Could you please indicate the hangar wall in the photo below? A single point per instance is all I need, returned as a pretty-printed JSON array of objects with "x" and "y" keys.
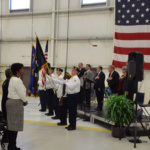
[{"x": 48, "y": 18}]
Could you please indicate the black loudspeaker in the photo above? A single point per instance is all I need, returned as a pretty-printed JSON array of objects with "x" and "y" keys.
[{"x": 136, "y": 66}]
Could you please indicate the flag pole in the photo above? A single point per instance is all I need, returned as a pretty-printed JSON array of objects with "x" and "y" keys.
[{"x": 67, "y": 38}]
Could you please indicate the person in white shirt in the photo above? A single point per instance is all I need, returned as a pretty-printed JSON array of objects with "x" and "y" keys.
[
  {"x": 14, "y": 106},
  {"x": 62, "y": 100},
  {"x": 50, "y": 93},
  {"x": 72, "y": 90},
  {"x": 42, "y": 95},
  {"x": 57, "y": 94}
]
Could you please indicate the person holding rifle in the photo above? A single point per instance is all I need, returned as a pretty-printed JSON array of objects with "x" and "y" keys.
[{"x": 57, "y": 94}]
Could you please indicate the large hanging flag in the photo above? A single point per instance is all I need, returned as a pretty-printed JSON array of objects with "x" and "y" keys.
[
  {"x": 132, "y": 31},
  {"x": 44, "y": 69},
  {"x": 31, "y": 87}
]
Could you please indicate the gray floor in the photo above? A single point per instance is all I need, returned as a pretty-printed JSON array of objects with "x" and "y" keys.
[
  {"x": 45, "y": 137},
  {"x": 41, "y": 133}
]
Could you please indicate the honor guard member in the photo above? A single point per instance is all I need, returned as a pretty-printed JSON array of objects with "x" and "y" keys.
[
  {"x": 62, "y": 100},
  {"x": 50, "y": 92},
  {"x": 57, "y": 94},
  {"x": 72, "y": 90},
  {"x": 63, "y": 103},
  {"x": 42, "y": 94}
]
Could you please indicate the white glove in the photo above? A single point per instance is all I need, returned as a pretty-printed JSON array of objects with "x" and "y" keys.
[
  {"x": 64, "y": 81},
  {"x": 49, "y": 77}
]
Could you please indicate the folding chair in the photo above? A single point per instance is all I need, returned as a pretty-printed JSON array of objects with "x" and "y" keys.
[{"x": 140, "y": 101}]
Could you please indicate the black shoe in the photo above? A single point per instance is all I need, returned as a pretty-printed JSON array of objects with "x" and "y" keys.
[
  {"x": 98, "y": 109},
  {"x": 48, "y": 114},
  {"x": 17, "y": 148},
  {"x": 71, "y": 128},
  {"x": 42, "y": 110},
  {"x": 55, "y": 117},
  {"x": 61, "y": 124},
  {"x": 67, "y": 127}
]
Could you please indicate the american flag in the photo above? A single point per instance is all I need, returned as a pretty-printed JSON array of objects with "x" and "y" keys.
[
  {"x": 45, "y": 68},
  {"x": 132, "y": 31}
]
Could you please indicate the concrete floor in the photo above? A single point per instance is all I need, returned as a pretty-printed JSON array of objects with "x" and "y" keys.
[{"x": 41, "y": 133}]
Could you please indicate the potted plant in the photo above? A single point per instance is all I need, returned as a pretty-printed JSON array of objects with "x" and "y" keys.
[{"x": 120, "y": 111}]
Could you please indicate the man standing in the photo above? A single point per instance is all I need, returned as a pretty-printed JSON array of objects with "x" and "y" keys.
[
  {"x": 5, "y": 85},
  {"x": 50, "y": 93},
  {"x": 72, "y": 90},
  {"x": 58, "y": 94},
  {"x": 88, "y": 76},
  {"x": 81, "y": 70},
  {"x": 80, "y": 75},
  {"x": 113, "y": 79},
  {"x": 99, "y": 86},
  {"x": 42, "y": 95}
]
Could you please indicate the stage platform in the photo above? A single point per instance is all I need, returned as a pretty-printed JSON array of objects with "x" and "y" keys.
[
  {"x": 93, "y": 114},
  {"x": 100, "y": 115}
]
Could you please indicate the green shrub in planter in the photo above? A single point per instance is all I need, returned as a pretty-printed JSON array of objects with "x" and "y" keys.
[{"x": 119, "y": 110}]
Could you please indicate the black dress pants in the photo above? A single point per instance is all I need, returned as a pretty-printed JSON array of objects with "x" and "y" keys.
[
  {"x": 56, "y": 105},
  {"x": 130, "y": 96},
  {"x": 63, "y": 111},
  {"x": 100, "y": 98},
  {"x": 88, "y": 96},
  {"x": 42, "y": 94},
  {"x": 49, "y": 100},
  {"x": 81, "y": 96},
  {"x": 72, "y": 101},
  {"x": 12, "y": 135}
]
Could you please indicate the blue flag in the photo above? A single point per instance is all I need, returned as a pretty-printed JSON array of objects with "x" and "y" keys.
[{"x": 31, "y": 89}]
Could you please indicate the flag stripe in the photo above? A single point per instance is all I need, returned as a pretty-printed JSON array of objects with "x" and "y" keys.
[
  {"x": 124, "y": 58},
  {"x": 126, "y": 51},
  {"x": 133, "y": 29},
  {"x": 119, "y": 64},
  {"x": 132, "y": 44},
  {"x": 45, "y": 68},
  {"x": 132, "y": 36}
]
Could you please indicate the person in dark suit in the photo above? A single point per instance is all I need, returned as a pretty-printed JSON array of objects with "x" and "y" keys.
[
  {"x": 113, "y": 79},
  {"x": 81, "y": 69},
  {"x": 99, "y": 86},
  {"x": 5, "y": 85},
  {"x": 80, "y": 75},
  {"x": 129, "y": 87},
  {"x": 88, "y": 76}
]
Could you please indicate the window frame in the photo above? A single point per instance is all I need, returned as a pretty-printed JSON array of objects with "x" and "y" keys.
[
  {"x": 90, "y": 4},
  {"x": 20, "y": 10}
]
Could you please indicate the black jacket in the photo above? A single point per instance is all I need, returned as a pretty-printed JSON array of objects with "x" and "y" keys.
[
  {"x": 99, "y": 83},
  {"x": 4, "y": 97},
  {"x": 129, "y": 85},
  {"x": 81, "y": 72},
  {"x": 113, "y": 84}
]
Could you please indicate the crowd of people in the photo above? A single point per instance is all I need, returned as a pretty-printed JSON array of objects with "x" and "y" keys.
[{"x": 60, "y": 95}]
